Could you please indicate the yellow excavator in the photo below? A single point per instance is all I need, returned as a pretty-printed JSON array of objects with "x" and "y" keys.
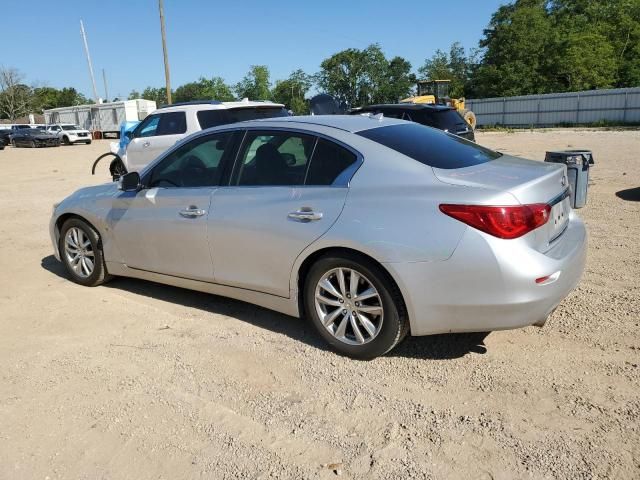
[{"x": 436, "y": 92}]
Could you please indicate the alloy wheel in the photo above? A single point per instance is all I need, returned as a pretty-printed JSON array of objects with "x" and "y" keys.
[
  {"x": 79, "y": 252},
  {"x": 349, "y": 306}
]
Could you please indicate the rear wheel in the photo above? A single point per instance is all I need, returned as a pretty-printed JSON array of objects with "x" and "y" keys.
[
  {"x": 355, "y": 306},
  {"x": 81, "y": 252}
]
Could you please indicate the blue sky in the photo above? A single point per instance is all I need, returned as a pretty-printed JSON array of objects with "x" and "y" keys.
[{"x": 216, "y": 38}]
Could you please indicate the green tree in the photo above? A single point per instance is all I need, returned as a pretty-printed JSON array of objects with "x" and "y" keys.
[
  {"x": 134, "y": 94},
  {"x": 293, "y": 90},
  {"x": 399, "y": 81},
  {"x": 204, "y": 89},
  {"x": 361, "y": 77},
  {"x": 44, "y": 98},
  {"x": 454, "y": 66},
  {"x": 255, "y": 85},
  {"x": 158, "y": 95},
  {"x": 516, "y": 47},
  {"x": 69, "y": 96}
]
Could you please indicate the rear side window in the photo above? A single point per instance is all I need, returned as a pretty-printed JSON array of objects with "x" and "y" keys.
[
  {"x": 213, "y": 118},
  {"x": 429, "y": 146},
  {"x": 328, "y": 162},
  {"x": 172, "y": 123}
]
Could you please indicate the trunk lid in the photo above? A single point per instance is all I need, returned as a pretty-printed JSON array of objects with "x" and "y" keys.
[{"x": 528, "y": 181}]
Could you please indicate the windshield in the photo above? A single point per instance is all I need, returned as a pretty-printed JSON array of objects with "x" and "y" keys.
[
  {"x": 70, "y": 127},
  {"x": 213, "y": 118},
  {"x": 430, "y": 146}
]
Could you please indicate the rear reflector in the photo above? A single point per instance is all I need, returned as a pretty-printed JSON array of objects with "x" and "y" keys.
[
  {"x": 548, "y": 278},
  {"x": 500, "y": 221}
]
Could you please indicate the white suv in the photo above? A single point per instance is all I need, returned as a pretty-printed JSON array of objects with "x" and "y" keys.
[
  {"x": 69, "y": 133},
  {"x": 166, "y": 125}
]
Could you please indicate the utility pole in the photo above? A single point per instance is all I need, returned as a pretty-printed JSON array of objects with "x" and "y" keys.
[
  {"x": 86, "y": 50},
  {"x": 164, "y": 51},
  {"x": 106, "y": 90}
]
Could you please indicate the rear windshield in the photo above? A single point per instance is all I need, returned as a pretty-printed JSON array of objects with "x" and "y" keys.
[
  {"x": 429, "y": 146},
  {"x": 213, "y": 118},
  {"x": 442, "y": 119}
]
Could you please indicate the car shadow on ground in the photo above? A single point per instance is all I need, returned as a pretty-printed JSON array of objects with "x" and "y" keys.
[
  {"x": 630, "y": 194},
  {"x": 434, "y": 347}
]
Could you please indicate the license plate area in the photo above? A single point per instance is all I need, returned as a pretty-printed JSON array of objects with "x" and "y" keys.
[{"x": 559, "y": 217}]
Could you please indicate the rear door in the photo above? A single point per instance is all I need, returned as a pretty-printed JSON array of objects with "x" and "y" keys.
[
  {"x": 156, "y": 133},
  {"x": 287, "y": 189}
]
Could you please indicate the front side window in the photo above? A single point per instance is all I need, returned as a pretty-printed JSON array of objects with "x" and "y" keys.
[
  {"x": 199, "y": 163},
  {"x": 274, "y": 158},
  {"x": 148, "y": 127}
]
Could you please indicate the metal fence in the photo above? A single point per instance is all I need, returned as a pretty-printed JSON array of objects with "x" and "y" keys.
[{"x": 619, "y": 105}]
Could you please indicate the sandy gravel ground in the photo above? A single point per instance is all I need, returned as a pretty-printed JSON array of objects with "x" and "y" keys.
[{"x": 135, "y": 380}]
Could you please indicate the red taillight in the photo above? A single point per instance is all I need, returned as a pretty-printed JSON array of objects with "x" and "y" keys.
[{"x": 502, "y": 222}]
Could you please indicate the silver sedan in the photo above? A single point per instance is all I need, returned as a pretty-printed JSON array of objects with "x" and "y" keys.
[{"x": 371, "y": 228}]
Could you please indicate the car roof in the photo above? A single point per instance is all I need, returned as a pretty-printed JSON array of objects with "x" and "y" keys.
[
  {"x": 216, "y": 105},
  {"x": 405, "y": 106},
  {"x": 348, "y": 123}
]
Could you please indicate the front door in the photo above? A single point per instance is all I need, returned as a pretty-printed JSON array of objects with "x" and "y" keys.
[
  {"x": 163, "y": 228},
  {"x": 286, "y": 191},
  {"x": 156, "y": 134}
]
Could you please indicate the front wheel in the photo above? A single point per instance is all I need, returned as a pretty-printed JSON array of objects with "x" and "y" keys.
[
  {"x": 81, "y": 252},
  {"x": 355, "y": 306},
  {"x": 65, "y": 140}
]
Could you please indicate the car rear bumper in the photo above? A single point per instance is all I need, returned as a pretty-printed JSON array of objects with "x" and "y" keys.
[{"x": 490, "y": 284}]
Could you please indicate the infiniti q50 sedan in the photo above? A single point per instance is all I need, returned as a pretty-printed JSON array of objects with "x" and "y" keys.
[{"x": 371, "y": 228}]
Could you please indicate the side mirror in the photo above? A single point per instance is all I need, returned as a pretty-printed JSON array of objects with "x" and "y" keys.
[
  {"x": 129, "y": 182},
  {"x": 129, "y": 134}
]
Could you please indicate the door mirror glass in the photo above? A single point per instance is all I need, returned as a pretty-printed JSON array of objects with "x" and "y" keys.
[{"x": 129, "y": 182}]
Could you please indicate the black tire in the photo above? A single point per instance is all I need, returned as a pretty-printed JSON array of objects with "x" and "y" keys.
[
  {"x": 89, "y": 142},
  {"x": 395, "y": 323},
  {"x": 99, "y": 274},
  {"x": 65, "y": 140}
]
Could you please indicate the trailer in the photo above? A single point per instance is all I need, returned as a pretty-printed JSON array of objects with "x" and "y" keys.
[{"x": 102, "y": 119}]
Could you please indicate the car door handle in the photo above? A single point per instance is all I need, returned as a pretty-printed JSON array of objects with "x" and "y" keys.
[
  {"x": 305, "y": 215},
  {"x": 192, "y": 212},
  {"x": 146, "y": 144}
]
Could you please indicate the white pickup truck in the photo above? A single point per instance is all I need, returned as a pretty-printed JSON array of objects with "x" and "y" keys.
[{"x": 69, "y": 133}]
